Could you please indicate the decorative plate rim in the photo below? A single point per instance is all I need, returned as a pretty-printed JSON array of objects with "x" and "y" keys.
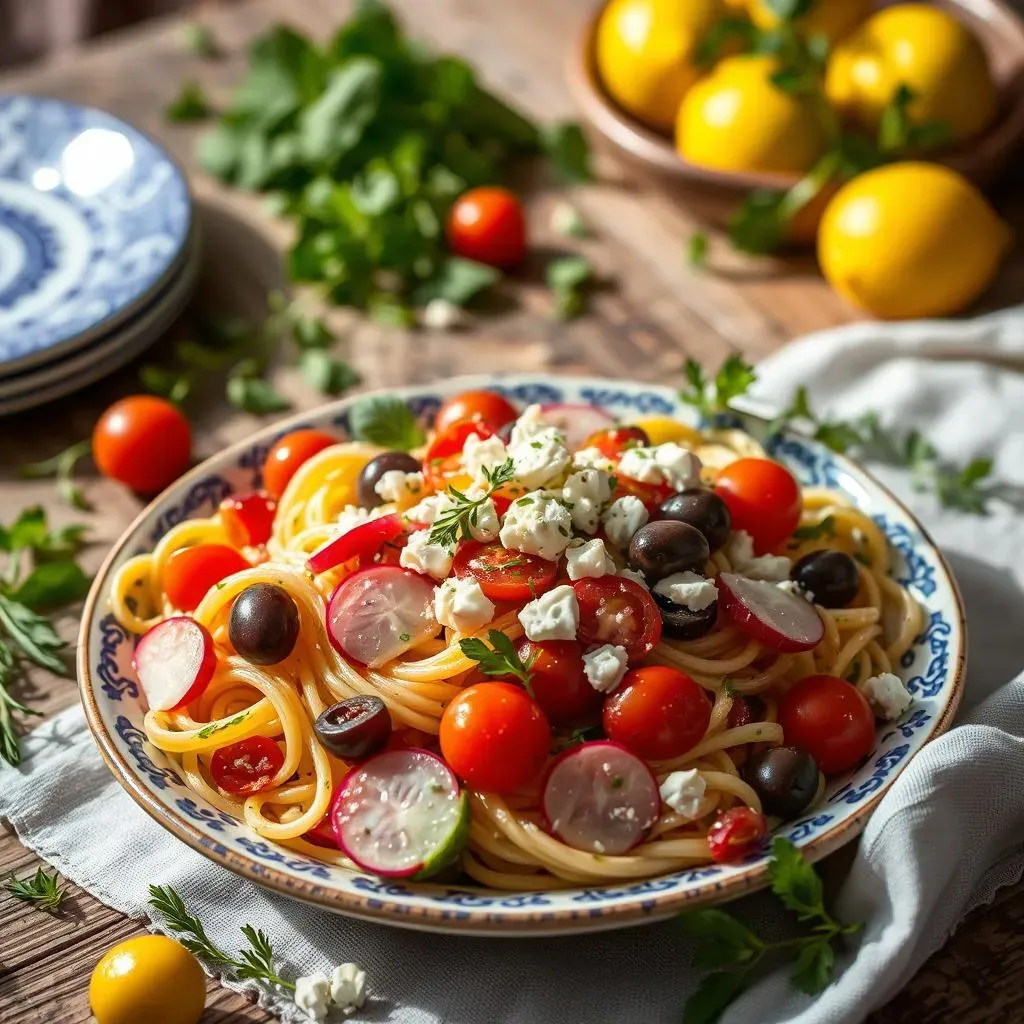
[{"x": 477, "y": 920}]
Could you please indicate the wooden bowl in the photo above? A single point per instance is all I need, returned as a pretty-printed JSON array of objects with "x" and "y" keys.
[{"x": 999, "y": 29}]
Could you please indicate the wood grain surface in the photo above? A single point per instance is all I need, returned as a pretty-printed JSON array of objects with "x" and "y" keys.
[{"x": 655, "y": 311}]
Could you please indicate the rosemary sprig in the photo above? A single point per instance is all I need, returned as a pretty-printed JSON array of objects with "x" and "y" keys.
[
  {"x": 461, "y": 514},
  {"x": 42, "y": 889}
]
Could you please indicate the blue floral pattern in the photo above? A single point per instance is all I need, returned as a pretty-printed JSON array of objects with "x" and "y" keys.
[
  {"x": 212, "y": 819},
  {"x": 936, "y": 639},
  {"x": 115, "y": 684},
  {"x": 136, "y": 743},
  {"x": 918, "y": 573}
]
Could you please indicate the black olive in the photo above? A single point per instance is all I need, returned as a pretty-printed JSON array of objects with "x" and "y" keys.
[
  {"x": 785, "y": 779},
  {"x": 376, "y": 468},
  {"x": 702, "y": 509},
  {"x": 264, "y": 624},
  {"x": 830, "y": 577},
  {"x": 682, "y": 624},
  {"x": 665, "y": 547},
  {"x": 355, "y": 728}
]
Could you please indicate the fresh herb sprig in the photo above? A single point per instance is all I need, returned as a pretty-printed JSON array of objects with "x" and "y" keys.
[
  {"x": 500, "y": 659},
  {"x": 387, "y": 422},
  {"x": 189, "y": 105},
  {"x": 44, "y": 890},
  {"x": 62, "y": 468},
  {"x": 727, "y": 944},
  {"x": 462, "y": 511},
  {"x": 712, "y": 397},
  {"x": 255, "y": 963}
]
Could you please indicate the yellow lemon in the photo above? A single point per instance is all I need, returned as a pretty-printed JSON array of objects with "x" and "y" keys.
[
  {"x": 736, "y": 120},
  {"x": 924, "y": 48},
  {"x": 662, "y": 429},
  {"x": 910, "y": 240},
  {"x": 644, "y": 50},
  {"x": 148, "y": 980},
  {"x": 832, "y": 18}
]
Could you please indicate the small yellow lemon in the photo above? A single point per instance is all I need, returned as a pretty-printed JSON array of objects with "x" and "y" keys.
[
  {"x": 735, "y": 119},
  {"x": 148, "y": 980},
  {"x": 910, "y": 240},
  {"x": 835, "y": 19},
  {"x": 662, "y": 429},
  {"x": 644, "y": 50},
  {"x": 924, "y": 48}
]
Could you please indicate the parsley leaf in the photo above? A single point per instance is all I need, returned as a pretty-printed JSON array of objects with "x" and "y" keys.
[
  {"x": 715, "y": 992},
  {"x": 815, "y": 531},
  {"x": 795, "y": 881},
  {"x": 387, "y": 422},
  {"x": 500, "y": 659},
  {"x": 190, "y": 104},
  {"x": 697, "y": 249},
  {"x": 723, "y": 940},
  {"x": 568, "y": 151},
  {"x": 457, "y": 281},
  {"x": 711, "y": 398},
  {"x": 326, "y": 374}
]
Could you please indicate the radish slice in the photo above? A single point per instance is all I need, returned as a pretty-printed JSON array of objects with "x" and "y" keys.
[
  {"x": 576, "y": 421},
  {"x": 772, "y": 616},
  {"x": 401, "y": 814},
  {"x": 174, "y": 661},
  {"x": 601, "y": 798},
  {"x": 375, "y": 615},
  {"x": 362, "y": 542}
]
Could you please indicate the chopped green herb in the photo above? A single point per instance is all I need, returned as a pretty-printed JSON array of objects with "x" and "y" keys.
[
  {"x": 500, "y": 659},
  {"x": 815, "y": 531},
  {"x": 712, "y": 398},
  {"x": 214, "y": 727},
  {"x": 190, "y": 104},
  {"x": 698, "y": 249}
]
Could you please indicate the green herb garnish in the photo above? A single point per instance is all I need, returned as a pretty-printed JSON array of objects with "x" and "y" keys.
[
  {"x": 500, "y": 659},
  {"x": 713, "y": 397},
  {"x": 697, "y": 249},
  {"x": 199, "y": 40},
  {"x": 816, "y": 531},
  {"x": 326, "y": 374},
  {"x": 387, "y": 422},
  {"x": 42, "y": 889},
  {"x": 189, "y": 105},
  {"x": 62, "y": 468},
  {"x": 214, "y": 727},
  {"x": 569, "y": 278},
  {"x": 460, "y": 515}
]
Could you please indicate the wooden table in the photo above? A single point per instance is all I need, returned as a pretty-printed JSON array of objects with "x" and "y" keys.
[{"x": 659, "y": 311}]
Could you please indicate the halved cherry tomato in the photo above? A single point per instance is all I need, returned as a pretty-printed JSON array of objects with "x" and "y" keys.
[
  {"x": 557, "y": 679},
  {"x": 484, "y": 407},
  {"x": 442, "y": 461},
  {"x": 613, "y": 441},
  {"x": 830, "y": 719},
  {"x": 495, "y": 737},
  {"x": 652, "y": 495},
  {"x": 363, "y": 542},
  {"x": 617, "y": 611},
  {"x": 322, "y": 834},
  {"x": 763, "y": 498},
  {"x": 736, "y": 834},
  {"x": 657, "y": 712},
  {"x": 248, "y": 520},
  {"x": 504, "y": 575},
  {"x": 487, "y": 225},
  {"x": 285, "y": 458},
  {"x": 246, "y": 767},
  {"x": 191, "y": 572}
]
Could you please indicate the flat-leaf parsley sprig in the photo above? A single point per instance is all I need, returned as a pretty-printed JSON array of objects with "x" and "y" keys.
[
  {"x": 44, "y": 890},
  {"x": 713, "y": 397},
  {"x": 500, "y": 659},
  {"x": 462, "y": 511},
  {"x": 726, "y": 943}
]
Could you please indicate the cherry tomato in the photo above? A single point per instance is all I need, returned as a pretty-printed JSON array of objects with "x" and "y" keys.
[
  {"x": 657, "y": 712},
  {"x": 652, "y": 495},
  {"x": 763, "y": 498},
  {"x": 248, "y": 520},
  {"x": 617, "y": 611},
  {"x": 495, "y": 737},
  {"x": 487, "y": 225},
  {"x": 442, "y": 462},
  {"x": 484, "y": 407},
  {"x": 364, "y": 542},
  {"x": 736, "y": 834},
  {"x": 504, "y": 575},
  {"x": 613, "y": 441},
  {"x": 246, "y": 767},
  {"x": 285, "y": 458},
  {"x": 556, "y": 677},
  {"x": 191, "y": 572},
  {"x": 831, "y": 720},
  {"x": 142, "y": 442}
]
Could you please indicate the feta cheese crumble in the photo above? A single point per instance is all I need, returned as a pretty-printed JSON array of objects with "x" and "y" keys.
[
  {"x": 552, "y": 616},
  {"x": 480, "y": 453},
  {"x": 313, "y": 994},
  {"x": 683, "y": 792},
  {"x": 399, "y": 487},
  {"x": 740, "y": 551},
  {"x": 666, "y": 463},
  {"x": 352, "y": 516},
  {"x": 637, "y": 577},
  {"x": 427, "y": 510},
  {"x": 887, "y": 695},
  {"x": 484, "y": 523},
  {"x": 538, "y": 524},
  {"x": 461, "y": 605},
  {"x": 588, "y": 559},
  {"x": 348, "y": 987},
  {"x": 442, "y": 315},
  {"x": 794, "y": 588},
  {"x": 605, "y": 666},
  {"x": 688, "y": 589},
  {"x": 624, "y": 517},
  {"x": 423, "y": 556},
  {"x": 592, "y": 458},
  {"x": 587, "y": 492},
  {"x": 540, "y": 458},
  {"x": 530, "y": 423}
]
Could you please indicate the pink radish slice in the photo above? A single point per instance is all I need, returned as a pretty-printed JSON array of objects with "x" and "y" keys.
[
  {"x": 401, "y": 814},
  {"x": 376, "y": 614},
  {"x": 362, "y": 542},
  {"x": 576, "y": 421},
  {"x": 777, "y": 619},
  {"x": 601, "y": 798},
  {"x": 174, "y": 661},
  {"x": 322, "y": 834}
]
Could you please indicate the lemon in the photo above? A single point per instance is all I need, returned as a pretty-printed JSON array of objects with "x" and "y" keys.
[
  {"x": 735, "y": 119},
  {"x": 644, "y": 50},
  {"x": 924, "y": 48},
  {"x": 834, "y": 19},
  {"x": 910, "y": 240},
  {"x": 662, "y": 429}
]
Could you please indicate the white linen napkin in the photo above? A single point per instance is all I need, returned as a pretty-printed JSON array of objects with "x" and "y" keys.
[{"x": 947, "y": 835}]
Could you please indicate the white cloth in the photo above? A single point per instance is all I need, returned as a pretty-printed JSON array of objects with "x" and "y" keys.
[{"x": 945, "y": 837}]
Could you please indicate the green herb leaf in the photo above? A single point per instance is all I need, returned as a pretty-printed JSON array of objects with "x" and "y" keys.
[
  {"x": 52, "y": 584},
  {"x": 794, "y": 881},
  {"x": 789, "y": 10},
  {"x": 724, "y": 32},
  {"x": 173, "y": 385},
  {"x": 816, "y": 531},
  {"x": 568, "y": 151},
  {"x": 722, "y": 940},
  {"x": 455, "y": 522},
  {"x": 387, "y": 422},
  {"x": 457, "y": 281},
  {"x": 569, "y": 277},
  {"x": 190, "y": 104},
  {"x": 326, "y": 374},
  {"x": 43, "y": 889},
  {"x": 899, "y": 133},
  {"x": 312, "y": 332},
  {"x": 697, "y": 252},
  {"x": 335, "y": 123},
  {"x": 812, "y": 970},
  {"x": 500, "y": 659},
  {"x": 199, "y": 40},
  {"x": 33, "y": 634},
  {"x": 62, "y": 468},
  {"x": 214, "y": 727},
  {"x": 734, "y": 379},
  {"x": 255, "y": 395},
  {"x": 715, "y": 992}
]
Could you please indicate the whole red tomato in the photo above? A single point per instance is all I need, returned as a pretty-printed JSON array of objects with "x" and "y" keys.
[{"x": 487, "y": 225}]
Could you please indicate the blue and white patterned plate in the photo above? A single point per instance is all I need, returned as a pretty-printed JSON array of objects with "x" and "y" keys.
[
  {"x": 933, "y": 670},
  {"x": 94, "y": 218}
]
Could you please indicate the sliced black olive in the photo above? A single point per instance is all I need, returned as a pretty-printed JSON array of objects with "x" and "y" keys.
[
  {"x": 785, "y": 779},
  {"x": 665, "y": 547},
  {"x": 264, "y": 624},
  {"x": 355, "y": 728},
  {"x": 830, "y": 577},
  {"x": 680, "y": 623},
  {"x": 376, "y": 468},
  {"x": 702, "y": 509}
]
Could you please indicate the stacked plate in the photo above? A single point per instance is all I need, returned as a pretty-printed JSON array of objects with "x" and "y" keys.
[{"x": 98, "y": 247}]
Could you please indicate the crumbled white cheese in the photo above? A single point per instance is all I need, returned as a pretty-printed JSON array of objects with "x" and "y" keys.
[
  {"x": 683, "y": 791},
  {"x": 587, "y": 492},
  {"x": 530, "y": 423},
  {"x": 588, "y": 559},
  {"x": 461, "y": 605},
  {"x": 605, "y": 666},
  {"x": 688, "y": 589},
  {"x": 480, "y": 453},
  {"x": 313, "y": 994},
  {"x": 484, "y": 523},
  {"x": 348, "y": 987},
  {"x": 623, "y": 518},
  {"x": 399, "y": 487},
  {"x": 796, "y": 589},
  {"x": 540, "y": 459},
  {"x": 352, "y": 516},
  {"x": 442, "y": 315},
  {"x": 740, "y": 551},
  {"x": 592, "y": 458},
  {"x": 538, "y": 524},
  {"x": 665, "y": 463},
  {"x": 427, "y": 510},
  {"x": 423, "y": 556},
  {"x": 637, "y": 577},
  {"x": 552, "y": 616},
  {"x": 887, "y": 695},
  {"x": 566, "y": 220}
]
